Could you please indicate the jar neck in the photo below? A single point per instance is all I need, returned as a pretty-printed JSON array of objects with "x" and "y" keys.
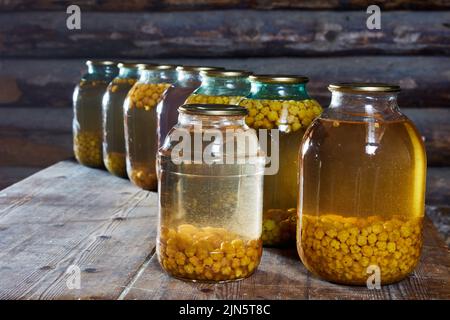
[
  {"x": 221, "y": 86},
  {"x": 158, "y": 76},
  {"x": 381, "y": 105},
  {"x": 188, "y": 79},
  {"x": 103, "y": 72},
  {"x": 260, "y": 90},
  {"x": 187, "y": 120},
  {"x": 128, "y": 72}
]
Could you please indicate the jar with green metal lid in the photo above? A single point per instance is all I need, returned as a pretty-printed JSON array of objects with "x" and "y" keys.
[
  {"x": 141, "y": 138},
  {"x": 114, "y": 154},
  {"x": 87, "y": 112},
  {"x": 221, "y": 87},
  {"x": 281, "y": 103},
  {"x": 210, "y": 199},
  {"x": 188, "y": 79}
]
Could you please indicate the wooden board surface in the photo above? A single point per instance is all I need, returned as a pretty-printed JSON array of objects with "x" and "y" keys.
[
  {"x": 230, "y": 33},
  {"x": 282, "y": 276},
  {"x": 425, "y": 81},
  {"x": 71, "y": 215},
  {"x": 143, "y": 5}
]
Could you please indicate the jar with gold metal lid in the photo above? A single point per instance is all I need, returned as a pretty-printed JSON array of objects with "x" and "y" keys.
[
  {"x": 141, "y": 138},
  {"x": 221, "y": 87},
  {"x": 282, "y": 106},
  {"x": 87, "y": 112},
  {"x": 362, "y": 188},
  {"x": 114, "y": 155},
  {"x": 210, "y": 195}
]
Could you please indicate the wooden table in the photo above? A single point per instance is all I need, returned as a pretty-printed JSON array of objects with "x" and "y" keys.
[{"x": 69, "y": 215}]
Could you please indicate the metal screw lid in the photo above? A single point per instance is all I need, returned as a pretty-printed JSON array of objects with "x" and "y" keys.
[
  {"x": 363, "y": 87},
  {"x": 279, "y": 79},
  {"x": 225, "y": 73},
  {"x": 213, "y": 109}
]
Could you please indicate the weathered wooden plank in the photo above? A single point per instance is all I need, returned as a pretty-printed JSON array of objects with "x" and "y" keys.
[
  {"x": 282, "y": 276},
  {"x": 142, "y": 5},
  {"x": 425, "y": 80},
  {"x": 434, "y": 126},
  {"x": 12, "y": 174},
  {"x": 231, "y": 33},
  {"x": 438, "y": 186},
  {"x": 69, "y": 215}
]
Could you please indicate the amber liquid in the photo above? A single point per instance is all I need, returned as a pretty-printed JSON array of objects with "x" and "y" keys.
[
  {"x": 355, "y": 174},
  {"x": 363, "y": 169},
  {"x": 174, "y": 97}
]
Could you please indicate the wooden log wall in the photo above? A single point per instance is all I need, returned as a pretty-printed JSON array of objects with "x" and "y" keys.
[{"x": 41, "y": 60}]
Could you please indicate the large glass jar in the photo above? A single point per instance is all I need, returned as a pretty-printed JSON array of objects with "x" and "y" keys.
[
  {"x": 114, "y": 154},
  {"x": 87, "y": 112},
  {"x": 188, "y": 79},
  {"x": 362, "y": 186},
  {"x": 281, "y": 103},
  {"x": 221, "y": 87},
  {"x": 141, "y": 121},
  {"x": 210, "y": 197}
]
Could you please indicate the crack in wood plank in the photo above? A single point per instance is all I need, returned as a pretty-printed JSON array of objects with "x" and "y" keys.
[{"x": 137, "y": 275}]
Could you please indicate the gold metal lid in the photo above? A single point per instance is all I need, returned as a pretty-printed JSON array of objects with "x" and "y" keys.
[
  {"x": 100, "y": 63},
  {"x": 225, "y": 73},
  {"x": 198, "y": 68},
  {"x": 161, "y": 67},
  {"x": 279, "y": 79},
  {"x": 213, "y": 109},
  {"x": 363, "y": 87},
  {"x": 130, "y": 64}
]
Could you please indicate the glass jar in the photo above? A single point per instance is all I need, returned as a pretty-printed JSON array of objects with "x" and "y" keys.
[
  {"x": 87, "y": 112},
  {"x": 221, "y": 87},
  {"x": 141, "y": 139},
  {"x": 210, "y": 197},
  {"x": 282, "y": 103},
  {"x": 114, "y": 154},
  {"x": 188, "y": 79},
  {"x": 362, "y": 187}
]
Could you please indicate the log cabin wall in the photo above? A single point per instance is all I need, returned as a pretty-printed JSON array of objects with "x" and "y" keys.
[{"x": 41, "y": 60}]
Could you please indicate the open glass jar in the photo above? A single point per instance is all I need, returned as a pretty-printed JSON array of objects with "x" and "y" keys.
[
  {"x": 281, "y": 103},
  {"x": 221, "y": 87},
  {"x": 362, "y": 187},
  {"x": 141, "y": 138},
  {"x": 87, "y": 112},
  {"x": 114, "y": 155},
  {"x": 210, "y": 212},
  {"x": 188, "y": 79}
]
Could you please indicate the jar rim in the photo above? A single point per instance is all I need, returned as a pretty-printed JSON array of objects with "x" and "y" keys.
[
  {"x": 198, "y": 68},
  {"x": 372, "y": 87},
  {"x": 279, "y": 79},
  {"x": 100, "y": 63},
  {"x": 226, "y": 73},
  {"x": 136, "y": 65},
  {"x": 213, "y": 109},
  {"x": 156, "y": 67}
]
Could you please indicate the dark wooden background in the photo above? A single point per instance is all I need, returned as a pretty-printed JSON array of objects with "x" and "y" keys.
[{"x": 41, "y": 61}]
